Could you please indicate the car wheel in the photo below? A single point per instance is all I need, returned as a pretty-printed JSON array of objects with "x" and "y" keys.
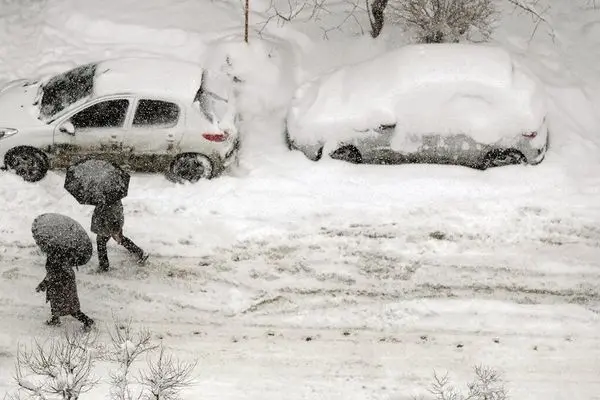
[
  {"x": 29, "y": 164},
  {"x": 191, "y": 168},
  {"x": 347, "y": 153},
  {"x": 500, "y": 158}
]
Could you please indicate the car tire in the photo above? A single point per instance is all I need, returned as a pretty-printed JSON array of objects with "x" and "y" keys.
[
  {"x": 191, "y": 167},
  {"x": 317, "y": 156},
  {"x": 347, "y": 153},
  {"x": 502, "y": 157},
  {"x": 544, "y": 151},
  {"x": 28, "y": 163}
]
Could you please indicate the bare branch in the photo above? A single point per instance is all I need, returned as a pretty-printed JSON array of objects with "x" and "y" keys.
[
  {"x": 530, "y": 7},
  {"x": 487, "y": 385},
  {"x": 58, "y": 367},
  {"x": 312, "y": 10},
  {"x": 127, "y": 347},
  {"x": 441, "y": 388},
  {"x": 166, "y": 377}
]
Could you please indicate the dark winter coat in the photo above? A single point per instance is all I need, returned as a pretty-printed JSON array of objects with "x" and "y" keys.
[
  {"x": 108, "y": 219},
  {"x": 60, "y": 286}
]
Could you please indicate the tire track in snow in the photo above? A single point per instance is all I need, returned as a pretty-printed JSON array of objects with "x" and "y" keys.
[{"x": 358, "y": 263}]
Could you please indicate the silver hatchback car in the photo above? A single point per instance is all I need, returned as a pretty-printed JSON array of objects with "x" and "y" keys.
[
  {"x": 147, "y": 114},
  {"x": 447, "y": 104},
  {"x": 460, "y": 149}
]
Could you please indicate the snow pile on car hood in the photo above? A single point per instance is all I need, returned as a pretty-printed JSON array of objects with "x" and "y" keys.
[{"x": 445, "y": 89}]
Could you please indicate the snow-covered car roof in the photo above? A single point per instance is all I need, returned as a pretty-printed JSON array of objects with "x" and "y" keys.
[
  {"x": 437, "y": 88},
  {"x": 150, "y": 76}
]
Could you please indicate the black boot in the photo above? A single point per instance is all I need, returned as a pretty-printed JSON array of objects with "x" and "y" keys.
[
  {"x": 85, "y": 320},
  {"x": 134, "y": 249},
  {"x": 53, "y": 321}
]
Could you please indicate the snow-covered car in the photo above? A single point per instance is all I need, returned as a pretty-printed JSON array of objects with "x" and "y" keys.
[
  {"x": 147, "y": 114},
  {"x": 459, "y": 104}
]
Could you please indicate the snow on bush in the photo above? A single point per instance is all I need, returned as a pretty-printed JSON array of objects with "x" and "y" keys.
[
  {"x": 440, "y": 21},
  {"x": 487, "y": 385},
  {"x": 58, "y": 368},
  {"x": 62, "y": 367}
]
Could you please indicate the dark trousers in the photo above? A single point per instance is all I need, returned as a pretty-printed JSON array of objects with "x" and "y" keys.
[
  {"x": 101, "y": 242},
  {"x": 81, "y": 317}
]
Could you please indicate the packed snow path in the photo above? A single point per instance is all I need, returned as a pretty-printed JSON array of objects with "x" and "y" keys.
[{"x": 351, "y": 310}]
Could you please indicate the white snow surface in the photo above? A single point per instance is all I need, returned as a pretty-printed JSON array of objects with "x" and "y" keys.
[
  {"x": 446, "y": 89},
  {"x": 392, "y": 271},
  {"x": 152, "y": 76}
]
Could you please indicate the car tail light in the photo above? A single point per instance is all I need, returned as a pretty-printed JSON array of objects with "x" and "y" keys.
[
  {"x": 216, "y": 137},
  {"x": 530, "y": 135}
]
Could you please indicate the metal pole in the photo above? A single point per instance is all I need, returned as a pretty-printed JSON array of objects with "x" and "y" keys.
[{"x": 246, "y": 17}]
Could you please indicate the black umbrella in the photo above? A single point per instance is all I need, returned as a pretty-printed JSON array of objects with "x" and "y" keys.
[
  {"x": 57, "y": 233},
  {"x": 96, "y": 182}
]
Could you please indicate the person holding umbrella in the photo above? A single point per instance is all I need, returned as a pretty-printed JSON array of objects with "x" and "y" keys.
[
  {"x": 107, "y": 222},
  {"x": 103, "y": 184},
  {"x": 66, "y": 245}
]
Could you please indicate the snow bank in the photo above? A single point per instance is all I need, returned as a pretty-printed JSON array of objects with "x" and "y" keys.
[
  {"x": 421, "y": 88},
  {"x": 565, "y": 55},
  {"x": 267, "y": 71},
  {"x": 265, "y": 68}
]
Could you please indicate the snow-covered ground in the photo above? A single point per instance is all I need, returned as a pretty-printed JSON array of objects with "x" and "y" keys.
[{"x": 392, "y": 271}]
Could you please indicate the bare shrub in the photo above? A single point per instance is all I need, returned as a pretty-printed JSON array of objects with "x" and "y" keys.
[
  {"x": 61, "y": 367},
  {"x": 434, "y": 20},
  {"x": 127, "y": 347},
  {"x": 166, "y": 376},
  {"x": 57, "y": 368},
  {"x": 438, "y": 21},
  {"x": 487, "y": 385},
  {"x": 162, "y": 378}
]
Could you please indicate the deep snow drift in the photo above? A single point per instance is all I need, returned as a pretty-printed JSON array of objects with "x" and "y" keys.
[
  {"x": 441, "y": 88},
  {"x": 391, "y": 271}
]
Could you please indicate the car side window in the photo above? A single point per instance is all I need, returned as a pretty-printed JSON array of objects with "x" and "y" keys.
[
  {"x": 156, "y": 113},
  {"x": 106, "y": 114}
]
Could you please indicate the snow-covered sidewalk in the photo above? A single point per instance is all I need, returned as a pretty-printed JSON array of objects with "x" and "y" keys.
[{"x": 300, "y": 280}]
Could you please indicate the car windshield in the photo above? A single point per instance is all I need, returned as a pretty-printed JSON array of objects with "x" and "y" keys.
[{"x": 66, "y": 89}]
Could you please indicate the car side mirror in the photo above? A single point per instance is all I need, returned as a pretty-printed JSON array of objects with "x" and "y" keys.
[
  {"x": 68, "y": 128},
  {"x": 385, "y": 128}
]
